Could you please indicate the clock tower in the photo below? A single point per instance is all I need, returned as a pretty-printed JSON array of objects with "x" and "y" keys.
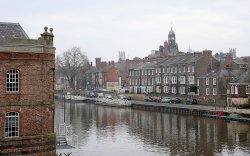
[{"x": 172, "y": 45}]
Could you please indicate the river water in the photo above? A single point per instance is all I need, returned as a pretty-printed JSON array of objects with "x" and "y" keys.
[{"x": 108, "y": 131}]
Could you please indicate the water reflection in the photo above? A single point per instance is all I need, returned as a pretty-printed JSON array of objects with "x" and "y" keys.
[{"x": 117, "y": 131}]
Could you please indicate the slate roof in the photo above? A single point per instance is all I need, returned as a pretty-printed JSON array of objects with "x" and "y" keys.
[
  {"x": 12, "y": 30},
  {"x": 239, "y": 61},
  {"x": 146, "y": 65},
  {"x": 181, "y": 59}
]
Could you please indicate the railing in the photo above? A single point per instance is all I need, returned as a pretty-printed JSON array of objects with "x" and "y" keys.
[{"x": 67, "y": 131}]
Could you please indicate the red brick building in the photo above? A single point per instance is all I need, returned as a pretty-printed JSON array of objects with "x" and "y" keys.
[{"x": 26, "y": 92}]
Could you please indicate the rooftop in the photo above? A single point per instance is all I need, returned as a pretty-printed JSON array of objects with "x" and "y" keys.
[{"x": 12, "y": 30}]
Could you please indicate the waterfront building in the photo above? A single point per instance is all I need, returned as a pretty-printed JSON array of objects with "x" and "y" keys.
[
  {"x": 212, "y": 87},
  {"x": 141, "y": 78},
  {"x": 27, "y": 92},
  {"x": 177, "y": 75}
]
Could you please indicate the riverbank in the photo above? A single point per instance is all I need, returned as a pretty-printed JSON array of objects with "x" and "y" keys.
[{"x": 215, "y": 112}]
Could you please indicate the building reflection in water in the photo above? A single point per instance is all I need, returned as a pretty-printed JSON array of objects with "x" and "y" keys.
[{"x": 154, "y": 132}]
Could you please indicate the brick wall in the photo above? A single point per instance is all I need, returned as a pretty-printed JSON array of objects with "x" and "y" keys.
[{"x": 34, "y": 102}]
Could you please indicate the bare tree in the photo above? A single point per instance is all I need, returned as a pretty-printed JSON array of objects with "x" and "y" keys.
[{"x": 72, "y": 63}]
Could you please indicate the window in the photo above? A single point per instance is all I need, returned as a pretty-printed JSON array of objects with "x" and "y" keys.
[
  {"x": 198, "y": 82},
  {"x": 174, "y": 80},
  {"x": 180, "y": 70},
  {"x": 184, "y": 69},
  {"x": 130, "y": 82},
  {"x": 168, "y": 70},
  {"x": 152, "y": 72},
  {"x": 165, "y": 89},
  {"x": 188, "y": 69},
  {"x": 145, "y": 71},
  {"x": 165, "y": 79},
  {"x": 171, "y": 70},
  {"x": 214, "y": 91},
  {"x": 173, "y": 90},
  {"x": 214, "y": 81},
  {"x": 191, "y": 79},
  {"x": 182, "y": 90},
  {"x": 142, "y": 72},
  {"x": 182, "y": 79},
  {"x": 11, "y": 124},
  {"x": 135, "y": 81},
  {"x": 192, "y": 68},
  {"x": 236, "y": 90},
  {"x": 207, "y": 81},
  {"x": 158, "y": 79},
  {"x": 207, "y": 91},
  {"x": 163, "y": 70},
  {"x": 175, "y": 70},
  {"x": 232, "y": 89},
  {"x": 149, "y": 72},
  {"x": 12, "y": 81}
]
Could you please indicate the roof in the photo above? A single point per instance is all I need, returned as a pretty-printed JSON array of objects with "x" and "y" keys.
[
  {"x": 144, "y": 65},
  {"x": 221, "y": 73},
  {"x": 180, "y": 59},
  {"x": 239, "y": 61},
  {"x": 12, "y": 30}
]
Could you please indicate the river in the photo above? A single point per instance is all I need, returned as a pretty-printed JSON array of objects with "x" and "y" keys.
[{"x": 108, "y": 131}]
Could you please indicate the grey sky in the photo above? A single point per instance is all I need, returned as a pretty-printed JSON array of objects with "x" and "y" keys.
[{"x": 103, "y": 27}]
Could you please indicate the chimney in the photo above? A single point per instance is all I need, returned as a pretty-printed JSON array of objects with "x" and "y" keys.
[{"x": 98, "y": 62}]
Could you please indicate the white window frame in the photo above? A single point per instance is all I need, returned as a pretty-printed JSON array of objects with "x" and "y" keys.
[
  {"x": 184, "y": 69},
  {"x": 165, "y": 79},
  {"x": 174, "y": 79},
  {"x": 165, "y": 89},
  {"x": 188, "y": 69},
  {"x": 12, "y": 81},
  {"x": 193, "y": 69},
  {"x": 182, "y": 90},
  {"x": 182, "y": 79},
  {"x": 207, "y": 81},
  {"x": 207, "y": 91},
  {"x": 214, "y": 91},
  {"x": 11, "y": 128},
  {"x": 191, "y": 79},
  {"x": 173, "y": 89},
  {"x": 198, "y": 82},
  {"x": 214, "y": 81}
]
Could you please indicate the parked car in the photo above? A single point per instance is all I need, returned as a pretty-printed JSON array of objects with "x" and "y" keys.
[
  {"x": 191, "y": 101},
  {"x": 148, "y": 98},
  {"x": 127, "y": 98},
  {"x": 166, "y": 100},
  {"x": 175, "y": 100},
  {"x": 157, "y": 99},
  {"x": 124, "y": 97},
  {"x": 108, "y": 96}
]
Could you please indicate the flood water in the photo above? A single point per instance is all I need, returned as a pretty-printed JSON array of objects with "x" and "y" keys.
[{"x": 108, "y": 131}]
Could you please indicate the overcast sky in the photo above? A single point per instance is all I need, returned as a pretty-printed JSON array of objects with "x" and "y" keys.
[{"x": 101, "y": 28}]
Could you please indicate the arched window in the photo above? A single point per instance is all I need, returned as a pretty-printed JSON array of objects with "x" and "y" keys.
[
  {"x": 12, "y": 77},
  {"x": 11, "y": 124}
]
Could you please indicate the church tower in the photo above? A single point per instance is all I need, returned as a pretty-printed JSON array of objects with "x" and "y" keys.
[{"x": 172, "y": 45}]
